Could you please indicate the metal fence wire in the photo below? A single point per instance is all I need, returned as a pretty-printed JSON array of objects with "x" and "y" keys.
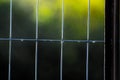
[{"x": 62, "y": 42}]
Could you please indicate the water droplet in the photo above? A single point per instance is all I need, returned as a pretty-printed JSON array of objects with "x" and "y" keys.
[
  {"x": 21, "y": 40},
  {"x": 93, "y": 41}
]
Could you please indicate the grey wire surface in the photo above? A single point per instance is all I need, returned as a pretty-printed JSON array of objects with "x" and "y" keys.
[
  {"x": 62, "y": 42},
  {"x": 87, "y": 44},
  {"x": 36, "y": 42},
  {"x": 10, "y": 42}
]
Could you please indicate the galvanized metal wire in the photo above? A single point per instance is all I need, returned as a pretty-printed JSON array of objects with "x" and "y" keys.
[{"x": 62, "y": 40}]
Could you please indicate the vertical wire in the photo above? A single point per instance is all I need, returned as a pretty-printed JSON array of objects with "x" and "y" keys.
[
  {"x": 62, "y": 42},
  {"x": 36, "y": 44},
  {"x": 88, "y": 29},
  {"x": 10, "y": 42},
  {"x": 114, "y": 43},
  {"x": 104, "y": 45}
]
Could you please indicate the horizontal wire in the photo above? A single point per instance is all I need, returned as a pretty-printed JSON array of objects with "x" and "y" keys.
[{"x": 51, "y": 40}]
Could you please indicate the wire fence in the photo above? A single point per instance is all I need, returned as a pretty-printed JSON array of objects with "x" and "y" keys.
[{"x": 62, "y": 41}]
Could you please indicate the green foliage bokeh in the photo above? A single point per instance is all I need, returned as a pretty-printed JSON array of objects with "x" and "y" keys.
[{"x": 75, "y": 17}]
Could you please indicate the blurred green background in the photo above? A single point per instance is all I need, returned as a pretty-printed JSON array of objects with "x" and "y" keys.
[
  {"x": 75, "y": 19},
  {"x": 50, "y": 19}
]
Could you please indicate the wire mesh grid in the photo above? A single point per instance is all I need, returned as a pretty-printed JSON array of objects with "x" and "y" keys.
[{"x": 62, "y": 40}]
